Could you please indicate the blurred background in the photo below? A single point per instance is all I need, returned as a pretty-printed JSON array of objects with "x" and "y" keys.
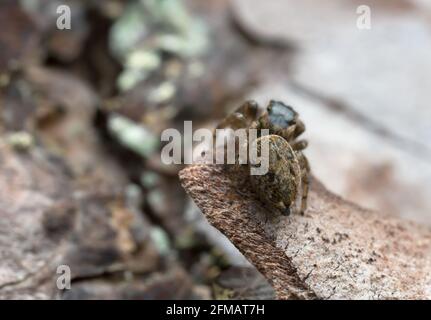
[{"x": 82, "y": 109}]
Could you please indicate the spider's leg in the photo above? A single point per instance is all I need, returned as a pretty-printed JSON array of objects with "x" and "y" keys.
[
  {"x": 305, "y": 183},
  {"x": 305, "y": 179},
  {"x": 288, "y": 133},
  {"x": 299, "y": 145},
  {"x": 250, "y": 109},
  {"x": 254, "y": 125},
  {"x": 299, "y": 128},
  {"x": 233, "y": 122}
]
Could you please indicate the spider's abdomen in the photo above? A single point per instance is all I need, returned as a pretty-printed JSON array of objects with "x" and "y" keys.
[{"x": 278, "y": 187}]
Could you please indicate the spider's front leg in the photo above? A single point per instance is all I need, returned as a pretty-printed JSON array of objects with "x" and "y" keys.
[
  {"x": 241, "y": 117},
  {"x": 234, "y": 121}
]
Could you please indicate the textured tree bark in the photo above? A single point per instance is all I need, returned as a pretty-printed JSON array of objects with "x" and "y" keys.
[
  {"x": 337, "y": 250},
  {"x": 47, "y": 220}
]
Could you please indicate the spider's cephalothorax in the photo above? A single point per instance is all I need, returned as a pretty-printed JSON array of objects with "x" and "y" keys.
[
  {"x": 283, "y": 121},
  {"x": 285, "y": 185}
]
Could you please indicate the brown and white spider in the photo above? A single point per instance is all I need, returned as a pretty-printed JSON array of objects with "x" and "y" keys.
[{"x": 285, "y": 185}]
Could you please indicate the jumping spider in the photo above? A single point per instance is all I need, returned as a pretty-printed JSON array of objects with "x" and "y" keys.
[{"x": 286, "y": 183}]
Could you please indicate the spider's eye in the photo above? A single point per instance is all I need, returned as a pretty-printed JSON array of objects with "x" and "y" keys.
[{"x": 281, "y": 115}]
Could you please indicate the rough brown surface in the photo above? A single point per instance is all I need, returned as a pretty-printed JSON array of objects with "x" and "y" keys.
[
  {"x": 30, "y": 184},
  {"x": 335, "y": 251}
]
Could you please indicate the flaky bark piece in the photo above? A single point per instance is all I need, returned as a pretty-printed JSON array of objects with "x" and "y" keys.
[{"x": 337, "y": 250}]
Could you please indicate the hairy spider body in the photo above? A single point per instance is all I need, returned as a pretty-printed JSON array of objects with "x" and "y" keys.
[{"x": 285, "y": 185}]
